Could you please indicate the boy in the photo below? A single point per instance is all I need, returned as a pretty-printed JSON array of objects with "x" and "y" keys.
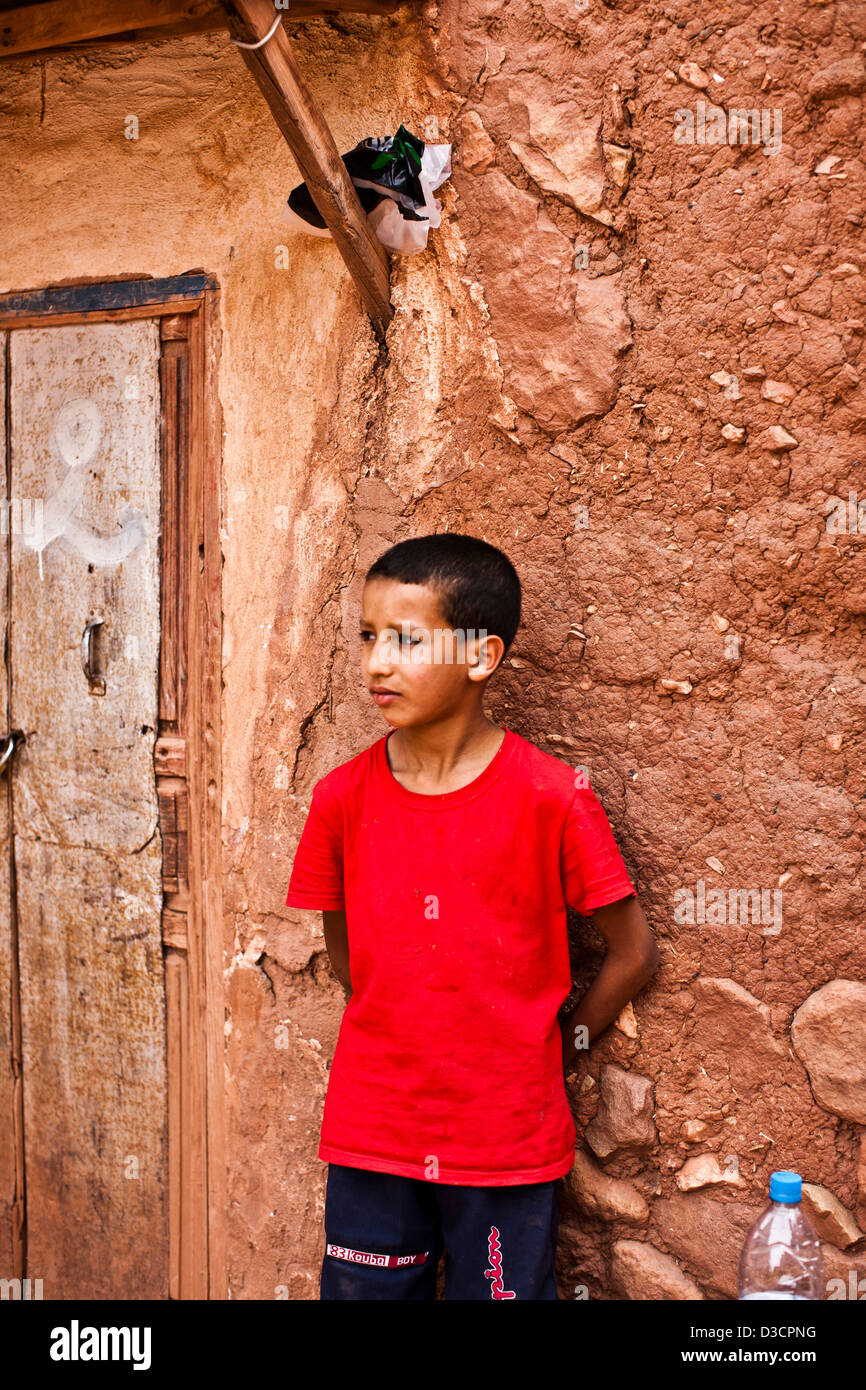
[{"x": 443, "y": 858}]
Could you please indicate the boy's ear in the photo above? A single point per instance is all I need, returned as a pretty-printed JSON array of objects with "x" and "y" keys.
[{"x": 491, "y": 650}]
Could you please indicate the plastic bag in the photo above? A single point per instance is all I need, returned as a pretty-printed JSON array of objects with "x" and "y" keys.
[
  {"x": 395, "y": 178},
  {"x": 408, "y": 236}
]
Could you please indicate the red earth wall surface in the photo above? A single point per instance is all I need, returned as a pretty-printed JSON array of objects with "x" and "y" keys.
[{"x": 658, "y": 417}]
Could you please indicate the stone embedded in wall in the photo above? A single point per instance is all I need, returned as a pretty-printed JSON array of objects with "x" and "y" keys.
[
  {"x": 597, "y": 1194},
  {"x": 693, "y": 75},
  {"x": 562, "y": 153},
  {"x": 828, "y": 1034},
  {"x": 779, "y": 392},
  {"x": 732, "y": 1034},
  {"x": 831, "y": 1220},
  {"x": 845, "y": 78},
  {"x": 559, "y": 334},
  {"x": 476, "y": 150},
  {"x": 695, "y": 1131},
  {"x": 735, "y": 434},
  {"x": 707, "y": 1234},
  {"x": 640, "y": 1271},
  {"x": 619, "y": 158},
  {"x": 626, "y": 1021},
  {"x": 776, "y": 440},
  {"x": 785, "y": 312},
  {"x": 702, "y": 1170},
  {"x": 861, "y": 1182},
  {"x": 623, "y": 1122}
]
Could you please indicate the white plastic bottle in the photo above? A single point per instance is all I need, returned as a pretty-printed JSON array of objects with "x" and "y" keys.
[{"x": 782, "y": 1255}]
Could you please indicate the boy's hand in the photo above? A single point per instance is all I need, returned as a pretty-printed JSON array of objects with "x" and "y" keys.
[{"x": 632, "y": 958}]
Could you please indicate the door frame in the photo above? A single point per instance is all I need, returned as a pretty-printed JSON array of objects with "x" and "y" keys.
[{"x": 187, "y": 762}]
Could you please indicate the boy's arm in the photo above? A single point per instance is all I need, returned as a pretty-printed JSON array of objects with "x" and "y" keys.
[
  {"x": 632, "y": 958},
  {"x": 337, "y": 945}
]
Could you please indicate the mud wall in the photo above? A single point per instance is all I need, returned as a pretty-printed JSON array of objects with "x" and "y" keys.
[{"x": 632, "y": 357}]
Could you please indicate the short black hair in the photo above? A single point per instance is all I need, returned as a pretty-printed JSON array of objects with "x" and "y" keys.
[{"x": 476, "y": 584}]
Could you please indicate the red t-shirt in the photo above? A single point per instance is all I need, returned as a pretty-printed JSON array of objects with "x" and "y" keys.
[{"x": 448, "y": 1063}]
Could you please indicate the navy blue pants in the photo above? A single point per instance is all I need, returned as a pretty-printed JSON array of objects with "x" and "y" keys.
[{"x": 385, "y": 1234}]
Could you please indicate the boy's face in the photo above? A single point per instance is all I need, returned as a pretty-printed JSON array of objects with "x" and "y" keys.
[{"x": 408, "y": 649}]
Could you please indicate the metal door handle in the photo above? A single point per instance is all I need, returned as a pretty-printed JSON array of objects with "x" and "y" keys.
[
  {"x": 11, "y": 740},
  {"x": 96, "y": 684}
]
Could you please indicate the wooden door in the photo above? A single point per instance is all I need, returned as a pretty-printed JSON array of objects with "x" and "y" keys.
[
  {"x": 83, "y": 655},
  {"x": 112, "y": 1171}
]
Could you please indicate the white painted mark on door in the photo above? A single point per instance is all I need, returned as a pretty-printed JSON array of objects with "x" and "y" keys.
[{"x": 77, "y": 435}]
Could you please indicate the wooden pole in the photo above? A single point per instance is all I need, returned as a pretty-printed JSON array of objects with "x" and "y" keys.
[{"x": 300, "y": 119}]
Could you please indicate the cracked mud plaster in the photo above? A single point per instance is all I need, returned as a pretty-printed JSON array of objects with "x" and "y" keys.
[
  {"x": 719, "y": 698},
  {"x": 551, "y": 381}
]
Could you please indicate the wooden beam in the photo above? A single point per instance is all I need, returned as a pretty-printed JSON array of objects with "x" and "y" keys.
[
  {"x": 300, "y": 119},
  {"x": 31, "y": 27},
  {"x": 56, "y": 25},
  {"x": 207, "y": 24},
  {"x": 133, "y": 298}
]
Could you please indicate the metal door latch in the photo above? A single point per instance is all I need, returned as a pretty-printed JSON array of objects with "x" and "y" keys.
[{"x": 96, "y": 684}]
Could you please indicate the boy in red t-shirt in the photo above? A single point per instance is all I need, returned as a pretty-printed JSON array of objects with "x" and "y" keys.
[{"x": 443, "y": 858}]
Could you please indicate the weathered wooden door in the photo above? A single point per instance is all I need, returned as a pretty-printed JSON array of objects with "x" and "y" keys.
[
  {"x": 112, "y": 1170},
  {"x": 83, "y": 638}
]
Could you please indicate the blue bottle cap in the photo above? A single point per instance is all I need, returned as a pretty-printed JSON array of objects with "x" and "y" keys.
[{"x": 785, "y": 1186}]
